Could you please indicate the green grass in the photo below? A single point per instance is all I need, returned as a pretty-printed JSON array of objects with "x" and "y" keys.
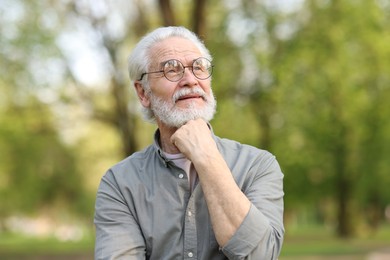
[
  {"x": 317, "y": 241},
  {"x": 17, "y": 244},
  {"x": 300, "y": 243}
]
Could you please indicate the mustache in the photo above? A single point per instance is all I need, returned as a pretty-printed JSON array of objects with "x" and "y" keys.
[{"x": 189, "y": 91}]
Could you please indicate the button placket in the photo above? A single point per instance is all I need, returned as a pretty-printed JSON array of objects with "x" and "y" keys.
[{"x": 190, "y": 231}]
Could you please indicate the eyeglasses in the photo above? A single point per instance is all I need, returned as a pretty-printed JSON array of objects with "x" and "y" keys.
[{"x": 174, "y": 70}]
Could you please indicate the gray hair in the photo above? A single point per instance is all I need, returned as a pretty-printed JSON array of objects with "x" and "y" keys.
[{"x": 140, "y": 60}]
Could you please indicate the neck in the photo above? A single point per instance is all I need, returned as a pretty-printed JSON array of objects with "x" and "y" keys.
[{"x": 165, "y": 139}]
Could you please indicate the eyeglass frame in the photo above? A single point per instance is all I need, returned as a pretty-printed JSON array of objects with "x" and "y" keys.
[{"x": 184, "y": 68}]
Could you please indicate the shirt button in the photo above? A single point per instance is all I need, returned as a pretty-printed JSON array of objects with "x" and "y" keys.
[
  {"x": 190, "y": 254},
  {"x": 189, "y": 213},
  {"x": 181, "y": 176}
]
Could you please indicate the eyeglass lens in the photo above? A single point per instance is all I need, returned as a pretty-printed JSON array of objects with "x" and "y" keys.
[{"x": 174, "y": 69}]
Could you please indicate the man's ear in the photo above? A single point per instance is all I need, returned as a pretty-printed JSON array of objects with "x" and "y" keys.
[{"x": 143, "y": 97}]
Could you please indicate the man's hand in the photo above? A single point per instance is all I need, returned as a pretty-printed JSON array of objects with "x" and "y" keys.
[{"x": 194, "y": 140}]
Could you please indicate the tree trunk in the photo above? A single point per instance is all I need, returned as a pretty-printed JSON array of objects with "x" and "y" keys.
[
  {"x": 199, "y": 18},
  {"x": 167, "y": 12},
  {"x": 343, "y": 183},
  {"x": 124, "y": 121},
  {"x": 262, "y": 106}
]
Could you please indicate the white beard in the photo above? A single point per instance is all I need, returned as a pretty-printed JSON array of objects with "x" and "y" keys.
[{"x": 173, "y": 116}]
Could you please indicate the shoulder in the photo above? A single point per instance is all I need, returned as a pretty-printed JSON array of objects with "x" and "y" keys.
[
  {"x": 228, "y": 146},
  {"x": 133, "y": 163},
  {"x": 244, "y": 155}
]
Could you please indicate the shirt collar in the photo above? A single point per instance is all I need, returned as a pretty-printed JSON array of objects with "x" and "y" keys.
[{"x": 159, "y": 150}]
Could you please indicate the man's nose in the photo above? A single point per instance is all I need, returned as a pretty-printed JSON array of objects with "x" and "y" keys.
[{"x": 189, "y": 78}]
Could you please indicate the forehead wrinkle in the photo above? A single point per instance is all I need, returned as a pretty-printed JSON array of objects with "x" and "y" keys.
[
  {"x": 174, "y": 54},
  {"x": 174, "y": 48}
]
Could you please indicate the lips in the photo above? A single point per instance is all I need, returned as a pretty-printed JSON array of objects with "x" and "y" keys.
[{"x": 189, "y": 96}]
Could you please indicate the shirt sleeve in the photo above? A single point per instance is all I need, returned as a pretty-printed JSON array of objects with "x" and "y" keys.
[
  {"x": 118, "y": 235},
  {"x": 260, "y": 235}
]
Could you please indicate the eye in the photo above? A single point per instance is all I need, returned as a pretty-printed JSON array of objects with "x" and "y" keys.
[
  {"x": 199, "y": 68},
  {"x": 201, "y": 64},
  {"x": 173, "y": 66}
]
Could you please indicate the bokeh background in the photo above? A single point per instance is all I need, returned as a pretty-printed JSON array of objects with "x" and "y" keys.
[{"x": 308, "y": 80}]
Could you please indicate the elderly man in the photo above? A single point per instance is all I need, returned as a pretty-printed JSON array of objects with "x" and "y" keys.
[{"x": 191, "y": 194}]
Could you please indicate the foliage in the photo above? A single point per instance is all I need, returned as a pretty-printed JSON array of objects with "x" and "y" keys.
[
  {"x": 37, "y": 169},
  {"x": 329, "y": 65},
  {"x": 307, "y": 80}
]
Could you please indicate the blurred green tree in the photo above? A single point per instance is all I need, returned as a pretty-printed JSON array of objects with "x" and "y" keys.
[
  {"x": 334, "y": 72},
  {"x": 37, "y": 171}
]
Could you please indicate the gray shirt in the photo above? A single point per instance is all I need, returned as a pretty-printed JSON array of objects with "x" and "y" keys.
[{"x": 145, "y": 208}]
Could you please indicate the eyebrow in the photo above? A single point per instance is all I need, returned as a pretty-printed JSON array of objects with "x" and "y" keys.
[{"x": 163, "y": 62}]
